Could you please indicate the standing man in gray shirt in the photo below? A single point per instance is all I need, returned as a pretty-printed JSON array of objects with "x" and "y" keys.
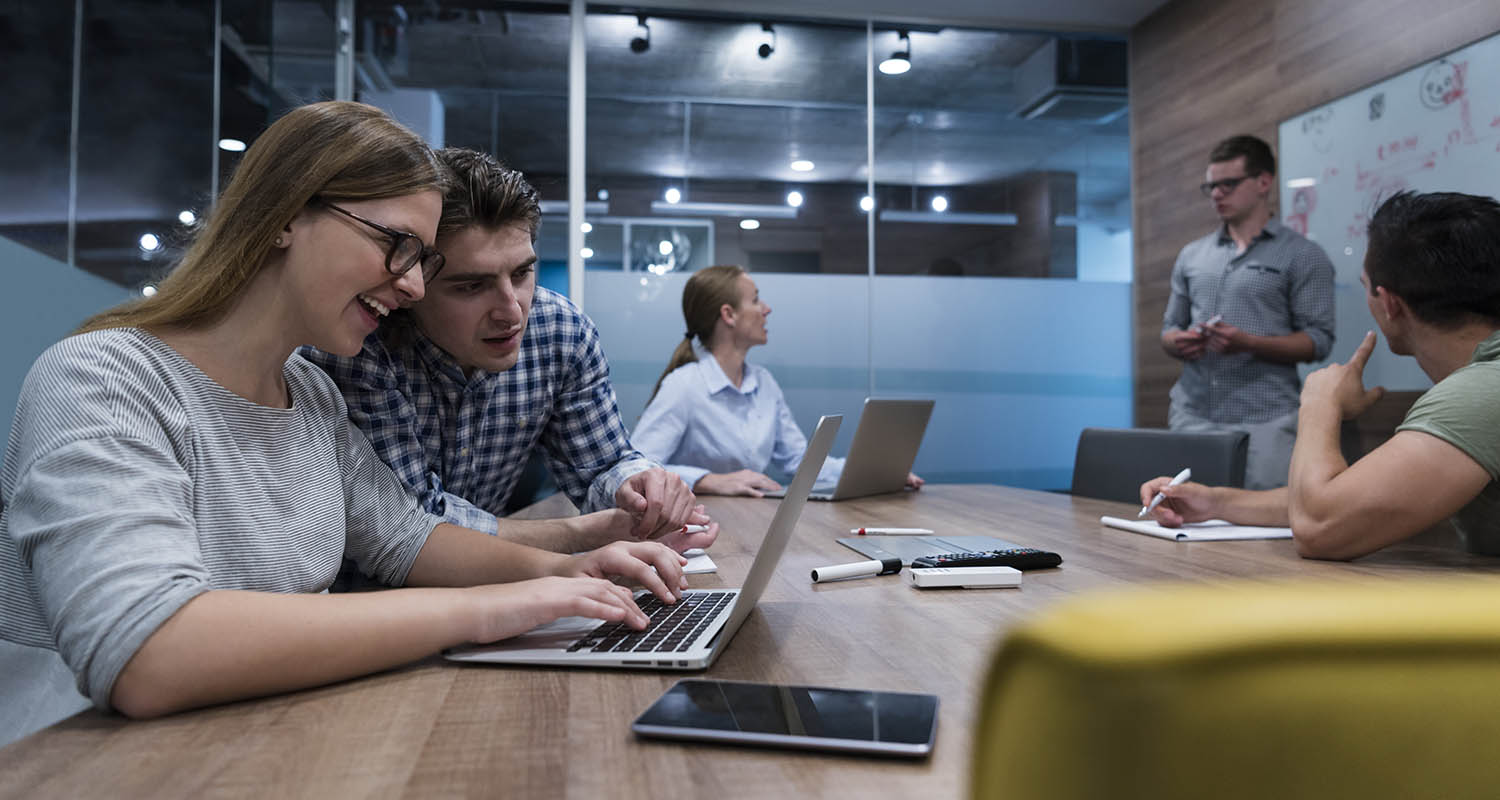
[{"x": 1249, "y": 301}]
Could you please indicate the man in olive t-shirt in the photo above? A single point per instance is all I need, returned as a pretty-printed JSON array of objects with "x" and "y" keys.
[{"x": 1432, "y": 280}]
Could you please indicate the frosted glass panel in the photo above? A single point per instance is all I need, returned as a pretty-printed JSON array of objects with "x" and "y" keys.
[{"x": 1018, "y": 367}]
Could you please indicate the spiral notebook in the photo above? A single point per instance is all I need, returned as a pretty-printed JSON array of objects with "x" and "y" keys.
[{"x": 1214, "y": 530}]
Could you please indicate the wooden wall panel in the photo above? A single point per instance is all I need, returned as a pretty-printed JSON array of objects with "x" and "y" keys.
[{"x": 1201, "y": 70}]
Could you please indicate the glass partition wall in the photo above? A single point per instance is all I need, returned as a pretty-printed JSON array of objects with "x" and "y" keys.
[{"x": 930, "y": 211}]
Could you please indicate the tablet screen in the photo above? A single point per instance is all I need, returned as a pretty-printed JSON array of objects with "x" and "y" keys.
[{"x": 895, "y": 723}]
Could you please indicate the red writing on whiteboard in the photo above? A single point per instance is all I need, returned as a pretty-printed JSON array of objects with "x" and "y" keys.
[{"x": 1396, "y": 147}]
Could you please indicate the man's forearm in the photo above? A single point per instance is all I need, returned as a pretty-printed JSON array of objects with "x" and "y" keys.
[
  {"x": 1316, "y": 461},
  {"x": 1293, "y": 348},
  {"x": 1247, "y": 507},
  {"x": 567, "y": 535}
]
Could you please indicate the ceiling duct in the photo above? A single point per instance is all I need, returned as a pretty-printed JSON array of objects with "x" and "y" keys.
[{"x": 1073, "y": 80}]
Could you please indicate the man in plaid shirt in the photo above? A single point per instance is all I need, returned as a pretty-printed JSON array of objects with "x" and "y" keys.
[{"x": 457, "y": 391}]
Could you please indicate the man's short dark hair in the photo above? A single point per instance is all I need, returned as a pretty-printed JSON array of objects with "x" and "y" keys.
[
  {"x": 1258, "y": 156},
  {"x": 485, "y": 193},
  {"x": 1439, "y": 252}
]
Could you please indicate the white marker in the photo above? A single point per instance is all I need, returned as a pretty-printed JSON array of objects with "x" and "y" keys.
[
  {"x": 858, "y": 569},
  {"x": 891, "y": 531},
  {"x": 1186, "y": 473}
]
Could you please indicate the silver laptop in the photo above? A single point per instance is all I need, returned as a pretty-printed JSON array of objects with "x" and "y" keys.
[
  {"x": 883, "y": 451},
  {"x": 687, "y": 635}
]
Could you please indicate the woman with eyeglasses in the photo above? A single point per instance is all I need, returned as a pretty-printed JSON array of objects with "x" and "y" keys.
[{"x": 180, "y": 488}]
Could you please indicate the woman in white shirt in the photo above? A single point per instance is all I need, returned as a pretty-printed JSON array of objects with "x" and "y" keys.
[{"x": 715, "y": 419}]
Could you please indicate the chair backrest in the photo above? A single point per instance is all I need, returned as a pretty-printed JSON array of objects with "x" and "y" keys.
[
  {"x": 1112, "y": 463},
  {"x": 1243, "y": 691}
]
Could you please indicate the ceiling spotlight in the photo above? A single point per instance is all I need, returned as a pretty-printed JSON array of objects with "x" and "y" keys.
[
  {"x": 802, "y": 165},
  {"x": 673, "y": 195},
  {"x": 587, "y": 252},
  {"x": 794, "y": 199},
  {"x": 602, "y": 194},
  {"x": 148, "y": 290},
  {"x": 900, "y": 61},
  {"x": 642, "y": 41},
  {"x": 186, "y": 217},
  {"x": 767, "y": 41},
  {"x": 866, "y": 203},
  {"x": 939, "y": 203},
  {"x": 232, "y": 145},
  {"x": 586, "y": 227},
  {"x": 749, "y": 224},
  {"x": 664, "y": 247},
  {"x": 149, "y": 242}
]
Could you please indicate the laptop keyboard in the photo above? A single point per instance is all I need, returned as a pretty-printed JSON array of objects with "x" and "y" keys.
[{"x": 670, "y": 629}]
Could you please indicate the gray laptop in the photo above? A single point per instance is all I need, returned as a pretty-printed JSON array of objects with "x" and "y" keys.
[
  {"x": 687, "y": 635},
  {"x": 883, "y": 451}
]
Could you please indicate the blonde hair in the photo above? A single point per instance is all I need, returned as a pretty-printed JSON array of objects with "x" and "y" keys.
[
  {"x": 707, "y": 291},
  {"x": 335, "y": 150}
]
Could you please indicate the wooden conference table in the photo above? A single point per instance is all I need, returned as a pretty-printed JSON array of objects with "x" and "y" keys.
[{"x": 437, "y": 729}]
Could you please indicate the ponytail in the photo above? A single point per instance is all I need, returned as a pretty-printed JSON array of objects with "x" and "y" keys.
[
  {"x": 682, "y": 355},
  {"x": 705, "y": 293}
]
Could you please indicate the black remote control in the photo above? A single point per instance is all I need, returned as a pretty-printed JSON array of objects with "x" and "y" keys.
[{"x": 1018, "y": 557}]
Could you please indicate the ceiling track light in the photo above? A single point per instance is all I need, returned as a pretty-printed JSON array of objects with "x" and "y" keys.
[
  {"x": 767, "y": 41},
  {"x": 642, "y": 41},
  {"x": 900, "y": 61}
]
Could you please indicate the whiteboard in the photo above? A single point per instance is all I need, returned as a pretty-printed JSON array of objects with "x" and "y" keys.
[{"x": 1435, "y": 127}]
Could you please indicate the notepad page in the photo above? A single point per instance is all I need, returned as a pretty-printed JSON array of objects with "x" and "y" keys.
[{"x": 1214, "y": 530}]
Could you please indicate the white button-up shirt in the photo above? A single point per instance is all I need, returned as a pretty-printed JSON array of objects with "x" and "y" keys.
[{"x": 701, "y": 423}]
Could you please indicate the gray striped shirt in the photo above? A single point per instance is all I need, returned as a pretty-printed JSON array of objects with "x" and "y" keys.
[
  {"x": 133, "y": 482},
  {"x": 1281, "y": 284}
]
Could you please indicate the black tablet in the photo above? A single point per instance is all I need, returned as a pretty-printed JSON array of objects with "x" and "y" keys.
[{"x": 799, "y": 717}]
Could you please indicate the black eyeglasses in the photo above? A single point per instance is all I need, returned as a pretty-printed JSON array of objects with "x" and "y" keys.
[
  {"x": 407, "y": 249},
  {"x": 1227, "y": 184}
]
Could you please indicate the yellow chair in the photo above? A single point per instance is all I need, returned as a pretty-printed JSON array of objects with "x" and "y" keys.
[{"x": 1267, "y": 690}]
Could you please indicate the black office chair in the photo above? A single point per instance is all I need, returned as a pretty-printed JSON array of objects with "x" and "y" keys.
[{"x": 1112, "y": 463}]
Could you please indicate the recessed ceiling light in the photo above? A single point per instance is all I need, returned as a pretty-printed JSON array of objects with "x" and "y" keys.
[
  {"x": 749, "y": 224},
  {"x": 866, "y": 203},
  {"x": 186, "y": 217},
  {"x": 149, "y": 242},
  {"x": 602, "y": 194},
  {"x": 939, "y": 203},
  {"x": 664, "y": 247},
  {"x": 673, "y": 195},
  {"x": 586, "y": 227},
  {"x": 232, "y": 145},
  {"x": 803, "y": 165},
  {"x": 587, "y": 252},
  {"x": 794, "y": 199}
]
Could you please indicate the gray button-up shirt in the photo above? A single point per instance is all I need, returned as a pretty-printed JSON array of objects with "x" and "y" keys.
[{"x": 1281, "y": 284}]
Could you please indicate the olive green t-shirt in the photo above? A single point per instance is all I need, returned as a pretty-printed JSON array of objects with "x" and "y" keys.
[{"x": 1463, "y": 410}]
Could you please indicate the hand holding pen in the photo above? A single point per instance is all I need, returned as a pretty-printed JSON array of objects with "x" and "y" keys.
[{"x": 1182, "y": 476}]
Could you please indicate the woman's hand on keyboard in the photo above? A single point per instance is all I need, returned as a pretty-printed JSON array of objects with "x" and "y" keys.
[
  {"x": 655, "y": 566},
  {"x": 507, "y": 609}
]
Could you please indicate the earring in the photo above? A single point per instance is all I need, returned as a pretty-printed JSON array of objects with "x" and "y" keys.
[{"x": 279, "y": 241}]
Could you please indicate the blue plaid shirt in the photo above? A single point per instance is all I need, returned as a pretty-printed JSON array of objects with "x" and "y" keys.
[{"x": 459, "y": 444}]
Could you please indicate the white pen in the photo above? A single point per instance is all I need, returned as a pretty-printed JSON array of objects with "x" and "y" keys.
[
  {"x": 1187, "y": 472},
  {"x": 891, "y": 531},
  {"x": 858, "y": 569}
]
